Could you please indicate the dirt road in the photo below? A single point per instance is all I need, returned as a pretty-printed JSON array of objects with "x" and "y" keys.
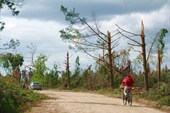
[{"x": 73, "y": 102}]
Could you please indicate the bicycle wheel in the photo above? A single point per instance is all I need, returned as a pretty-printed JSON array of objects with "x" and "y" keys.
[
  {"x": 130, "y": 100},
  {"x": 124, "y": 100}
]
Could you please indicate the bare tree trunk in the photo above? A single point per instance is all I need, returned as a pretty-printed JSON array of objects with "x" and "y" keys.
[
  {"x": 144, "y": 58},
  {"x": 159, "y": 65},
  {"x": 17, "y": 74},
  {"x": 148, "y": 68},
  {"x": 68, "y": 71},
  {"x": 103, "y": 53},
  {"x": 110, "y": 59}
]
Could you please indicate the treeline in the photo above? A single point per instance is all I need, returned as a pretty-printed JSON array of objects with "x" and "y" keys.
[{"x": 89, "y": 78}]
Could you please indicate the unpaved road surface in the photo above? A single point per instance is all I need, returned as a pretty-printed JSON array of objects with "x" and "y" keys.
[{"x": 73, "y": 102}]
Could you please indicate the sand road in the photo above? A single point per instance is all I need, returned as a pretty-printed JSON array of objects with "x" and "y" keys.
[{"x": 73, "y": 102}]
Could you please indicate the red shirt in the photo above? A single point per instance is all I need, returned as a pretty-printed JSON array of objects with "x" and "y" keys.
[{"x": 128, "y": 81}]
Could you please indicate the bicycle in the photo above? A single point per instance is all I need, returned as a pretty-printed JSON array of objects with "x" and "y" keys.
[{"x": 128, "y": 97}]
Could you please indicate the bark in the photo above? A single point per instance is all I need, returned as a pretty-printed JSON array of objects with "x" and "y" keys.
[
  {"x": 17, "y": 74},
  {"x": 159, "y": 65},
  {"x": 68, "y": 71},
  {"x": 144, "y": 58},
  {"x": 110, "y": 59}
]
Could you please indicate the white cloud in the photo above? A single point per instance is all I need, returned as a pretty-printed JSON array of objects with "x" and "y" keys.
[
  {"x": 132, "y": 21},
  {"x": 45, "y": 35}
]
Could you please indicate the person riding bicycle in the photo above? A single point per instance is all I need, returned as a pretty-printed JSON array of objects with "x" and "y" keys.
[{"x": 127, "y": 81}]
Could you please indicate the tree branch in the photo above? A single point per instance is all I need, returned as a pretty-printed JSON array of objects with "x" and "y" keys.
[
  {"x": 138, "y": 51},
  {"x": 90, "y": 28},
  {"x": 134, "y": 44},
  {"x": 128, "y": 31},
  {"x": 152, "y": 46},
  {"x": 129, "y": 38}
]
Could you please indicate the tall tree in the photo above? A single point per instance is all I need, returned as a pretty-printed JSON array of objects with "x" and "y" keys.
[
  {"x": 88, "y": 37},
  {"x": 76, "y": 73},
  {"x": 39, "y": 68},
  {"x": 77, "y": 67}
]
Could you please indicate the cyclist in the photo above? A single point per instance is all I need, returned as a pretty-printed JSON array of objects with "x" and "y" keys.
[{"x": 127, "y": 81}]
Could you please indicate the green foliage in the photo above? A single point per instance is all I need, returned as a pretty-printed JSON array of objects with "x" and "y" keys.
[
  {"x": 12, "y": 5},
  {"x": 153, "y": 78},
  {"x": 103, "y": 76},
  {"x": 52, "y": 78},
  {"x": 13, "y": 98},
  {"x": 161, "y": 43},
  {"x": 80, "y": 37},
  {"x": 165, "y": 76},
  {"x": 2, "y": 24},
  {"x": 138, "y": 81},
  {"x": 70, "y": 33},
  {"x": 165, "y": 100},
  {"x": 115, "y": 92},
  {"x": 76, "y": 74},
  {"x": 40, "y": 68},
  {"x": 13, "y": 44},
  {"x": 71, "y": 16},
  {"x": 10, "y": 61},
  {"x": 39, "y": 65}
]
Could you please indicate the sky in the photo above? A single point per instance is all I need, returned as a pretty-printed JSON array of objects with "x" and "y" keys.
[{"x": 39, "y": 22}]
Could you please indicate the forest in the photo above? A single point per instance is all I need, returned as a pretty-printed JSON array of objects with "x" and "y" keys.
[{"x": 150, "y": 73}]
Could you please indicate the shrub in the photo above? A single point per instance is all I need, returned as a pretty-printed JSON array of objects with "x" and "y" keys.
[
  {"x": 13, "y": 98},
  {"x": 160, "y": 92},
  {"x": 165, "y": 100}
]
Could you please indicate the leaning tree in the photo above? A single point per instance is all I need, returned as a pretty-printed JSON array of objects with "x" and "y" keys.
[
  {"x": 87, "y": 37},
  {"x": 159, "y": 44}
]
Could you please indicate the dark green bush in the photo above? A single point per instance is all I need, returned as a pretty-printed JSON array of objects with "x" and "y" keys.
[{"x": 13, "y": 99}]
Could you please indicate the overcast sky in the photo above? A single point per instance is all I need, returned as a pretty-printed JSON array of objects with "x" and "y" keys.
[{"x": 39, "y": 22}]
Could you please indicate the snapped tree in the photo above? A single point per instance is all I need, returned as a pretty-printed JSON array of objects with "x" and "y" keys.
[
  {"x": 143, "y": 47},
  {"x": 68, "y": 70},
  {"x": 160, "y": 45}
]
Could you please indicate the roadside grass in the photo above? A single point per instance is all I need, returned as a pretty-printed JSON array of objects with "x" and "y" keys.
[
  {"x": 111, "y": 92},
  {"x": 159, "y": 93},
  {"x": 14, "y": 99}
]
